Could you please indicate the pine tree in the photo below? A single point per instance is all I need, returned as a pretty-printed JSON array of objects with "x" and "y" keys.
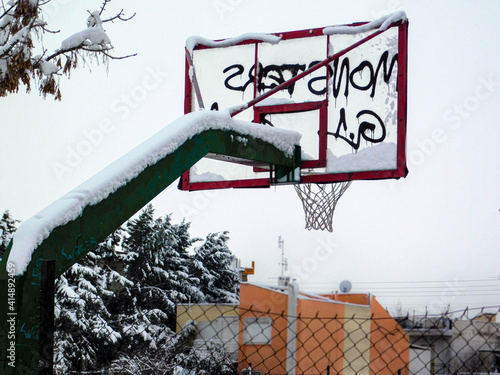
[
  {"x": 157, "y": 264},
  {"x": 86, "y": 336},
  {"x": 7, "y": 229},
  {"x": 174, "y": 242},
  {"x": 212, "y": 266},
  {"x": 117, "y": 307},
  {"x": 141, "y": 322}
]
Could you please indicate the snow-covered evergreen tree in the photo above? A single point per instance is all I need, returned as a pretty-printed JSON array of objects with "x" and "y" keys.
[
  {"x": 142, "y": 322},
  {"x": 7, "y": 229},
  {"x": 157, "y": 264},
  {"x": 86, "y": 336},
  {"x": 212, "y": 266},
  {"x": 117, "y": 307}
]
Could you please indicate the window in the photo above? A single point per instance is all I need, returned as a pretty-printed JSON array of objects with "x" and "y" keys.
[
  {"x": 257, "y": 331},
  {"x": 206, "y": 331}
]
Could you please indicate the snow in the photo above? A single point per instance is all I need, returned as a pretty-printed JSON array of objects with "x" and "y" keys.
[
  {"x": 381, "y": 23},
  {"x": 35, "y": 230},
  {"x": 378, "y": 157},
  {"x": 204, "y": 177},
  {"x": 3, "y": 67},
  {"x": 274, "y": 101},
  {"x": 6, "y": 19},
  {"x": 193, "y": 41},
  {"x": 94, "y": 19},
  {"x": 19, "y": 37},
  {"x": 48, "y": 68},
  {"x": 94, "y": 37},
  {"x": 68, "y": 292}
]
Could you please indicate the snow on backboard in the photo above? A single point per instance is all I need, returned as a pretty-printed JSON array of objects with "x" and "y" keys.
[{"x": 351, "y": 111}]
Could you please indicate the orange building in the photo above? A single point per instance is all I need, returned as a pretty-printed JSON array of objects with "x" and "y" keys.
[{"x": 284, "y": 331}]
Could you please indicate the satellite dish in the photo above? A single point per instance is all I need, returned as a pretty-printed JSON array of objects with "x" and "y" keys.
[{"x": 345, "y": 286}]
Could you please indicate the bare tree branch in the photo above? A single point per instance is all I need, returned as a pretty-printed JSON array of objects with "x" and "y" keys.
[
  {"x": 118, "y": 57},
  {"x": 7, "y": 11},
  {"x": 119, "y": 17},
  {"x": 104, "y": 6}
]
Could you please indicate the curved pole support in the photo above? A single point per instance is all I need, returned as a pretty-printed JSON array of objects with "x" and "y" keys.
[{"x": 68, "y": 243}]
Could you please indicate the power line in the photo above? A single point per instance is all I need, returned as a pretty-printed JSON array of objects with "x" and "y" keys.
[
  {"x": 406, "y": 282},
  {"x": 465, "y": 287},
  {"x": 434, "y": 290},
  {"x": 466, "y": 293},
  {"x": 437, "y": 295}
]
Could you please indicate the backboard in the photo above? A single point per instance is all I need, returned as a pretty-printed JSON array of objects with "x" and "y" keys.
[{"x": 343, "y": 88}]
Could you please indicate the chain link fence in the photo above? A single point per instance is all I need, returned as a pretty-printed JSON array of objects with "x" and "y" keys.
[{"x": 217, "y": 339}]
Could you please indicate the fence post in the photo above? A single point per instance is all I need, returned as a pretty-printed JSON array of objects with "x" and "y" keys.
[
  {"x": 291, "y": 332},
  {"x": 46, "y": 366}
]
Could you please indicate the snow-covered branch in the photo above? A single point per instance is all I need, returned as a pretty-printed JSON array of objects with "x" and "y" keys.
[{"x": 20, "y": 20}]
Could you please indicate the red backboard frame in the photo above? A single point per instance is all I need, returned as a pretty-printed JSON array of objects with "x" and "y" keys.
[{"x": 400, "y": 171}]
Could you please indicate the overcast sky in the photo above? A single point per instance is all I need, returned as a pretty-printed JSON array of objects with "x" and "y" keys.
[{"x": 441, "y": 223}]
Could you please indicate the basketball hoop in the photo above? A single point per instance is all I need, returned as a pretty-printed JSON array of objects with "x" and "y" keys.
[
  {"x": 319, "y": 201},
  {"x": 360, "y": 127}
]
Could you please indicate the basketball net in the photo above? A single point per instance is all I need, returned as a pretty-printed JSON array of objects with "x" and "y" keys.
[{"x": 319, "y": 201}]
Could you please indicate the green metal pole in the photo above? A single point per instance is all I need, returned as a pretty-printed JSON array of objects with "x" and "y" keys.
[{"x": 67, "y": 244}]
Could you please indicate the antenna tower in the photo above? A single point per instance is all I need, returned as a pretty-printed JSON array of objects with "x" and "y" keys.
[{"x": 284, "y": 262}]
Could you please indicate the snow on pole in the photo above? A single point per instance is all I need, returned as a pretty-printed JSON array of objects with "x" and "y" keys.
[{"x": 35, "y": 230}]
